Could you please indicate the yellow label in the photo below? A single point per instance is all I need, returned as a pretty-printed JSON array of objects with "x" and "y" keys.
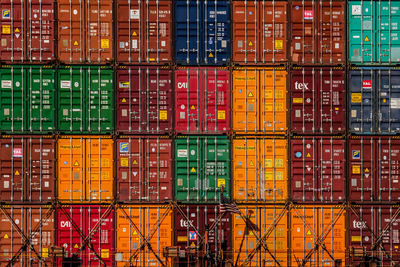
[
  {"x": 366, "y": 39},
  {"x": 124, "y": 162},
  {"x": 45, "y": 252},
  {"x": 134, "y": 232},
  {"x": 298, "y": 100},
  {"x": 76, "y": 163},
  {"x": 356, "y": 238},
  {"x": 17, "y": 30},
  {"x": 134, "y": 34},
  {"x": 192, "y": 107},
  {"x": 308, "y": 155},
  {"x": 221, "y": 182},
  {"x": 5, "y": 236},
  {"x": 76, "y": 246},
  {"x": 221, "y": 114},
  {"x": 250, "y": 43},
  {"x": 278, "y": 163},
  {"x": 105, "y": 254},
  {"x": 356, "y": 169},
  {"x": 279, "y": 176},
  {"x": 250, "y": 94},
  {"x": 76, "y": 43},
  {"x": 123, "y": 100},
  {"x": 105, "y": 163},
  {"x": 182, "y": 238},
  {"x": 105, "y": 43},
  {"x": 268, "y": 163},
  {"x": 278, "y": 44},
  {"x": 17, "y": 173},
  {"x": 134, "y": 161},
  {"x": 356, "y": 98},
  {"x": 251, "y": 163},
  {"x": 308, "y": 232},
  {"x": 193, "y": 170},
  {"x": 6, "y": 29},
  {"x": 366, "y": 170},
  {"x": 163, "y": 115},
  {"x": 152, "y": 59},
  {"x": 105, "y": 175},
  {"x": 210, "y": 55},
  {"x": 193, "y": 244},
  {"x": 269, "y": 176}
]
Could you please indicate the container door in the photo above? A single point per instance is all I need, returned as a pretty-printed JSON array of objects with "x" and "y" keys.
[
  {"x": 388, "y": 222},
  {"x": 11, "y": 239},
  {"x": 13, "y": 31},
  {"x": 219, "y": 238}
]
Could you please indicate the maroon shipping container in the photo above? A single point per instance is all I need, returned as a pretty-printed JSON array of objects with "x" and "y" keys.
[
  {"x": 374, "y": 164},
  {"x": 144, "y": 169},
  {"x": 202, "y": 100},
  {"x": 190, "y": 230},
  {"x": 318, "y": 169},
  {"x": 259, "y": 31},
  {"x": 27, "y": 169},
  {"x": 27, "y": 31},
  {"x": 143, "y": 31},
  {"x": 374, "y": 231},
  {"x": 318, "y": 101},
  {"x": 100, "y": 234},
  {"x": 318, "y": 32},
  {"x": 144, "y": 100},
  {"x": 36, "y": 224}
]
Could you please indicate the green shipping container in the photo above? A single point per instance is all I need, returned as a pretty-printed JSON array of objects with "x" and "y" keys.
[
  {"x": 374, "y": 31},
  {"x": 85, "y": 99},
  {"x": 202, "y": 168},
  {"x": 27, "y": 99}
]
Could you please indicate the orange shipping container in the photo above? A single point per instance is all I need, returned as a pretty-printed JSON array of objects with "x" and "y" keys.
[
  {"x": 134, "y": 225},
  {"x": 259, "y": 100},
  {"x": 260, "y": 170},
  {"x": 314, "y": 228},
  {"x": 271, "y": 224},
  {"x": 85, "y": 168}
]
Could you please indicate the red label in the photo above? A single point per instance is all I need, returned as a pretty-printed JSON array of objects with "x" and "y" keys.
[
  {"x": 308, "y": 14},
  {"x": 367, "y": 84}
]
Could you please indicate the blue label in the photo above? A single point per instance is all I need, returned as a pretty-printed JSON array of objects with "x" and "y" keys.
[
  {"x": 298, "y": 154},
  {"x": 5, "y": 13},
  {"x": 124, "y": 147},
  {"x": 356, "y": 154}
]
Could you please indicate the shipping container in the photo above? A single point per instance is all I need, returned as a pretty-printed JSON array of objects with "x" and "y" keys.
[
  {"x": 85, "y": 168},
  {"x": 318, "y": 32},
  {"x": 318, "y": 100},
  {"x": 373, "y": 169},
  {"x": 85, "y": 31},
  {"x": 260, "y": 236},
  {"x": 142, "y": 233},
  {"x": 86, "y": 232},
  {"x": 374, "y": 101},
  {"x": 144, "y": 100},
  {"x": 374, "y": 232},
  {"x": 202, "y": 32},
  {"x": 259, "y": 101},
  {"x": 27, "y": 235},
  {"x": 144, "y": 169},
  {"x": 85, "y": 99},
  {"x": 259, "y": 172},
  {"x": 202, "y": 168},
  {"x": 259, "y": 31},
  {"x": 318, "y": 236},
  {"x": 318, "y": 173},
  {"x": 28, "y": 31},
  {"x": 373, "y": 32},
  {"x": 27, "y": 169},
  {"x": 27, "y": 99},
  {"x": 144, "y": 31},
  {"x": 204, "y": 229},
  {"x": 202, "y": 100}
]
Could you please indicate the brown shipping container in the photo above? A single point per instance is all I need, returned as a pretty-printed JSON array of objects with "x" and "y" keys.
[
  {"x": 374, "y": 231},
  {"x": 318, "y": 32},
  {"x": 318, "y": 101},
  {"x": 144, "y": 100},
  {"x": 143, "y": 31},
  {"x": 34, "y": 223},
  {"x": 85, "y": 31},
  {"x": 373, "y": 172},
  {"x": 318, "y": 169},
  {"x": 27, "y": 169},
  {"x": 144, "y": 168},
  {"x": 259, "y": 30}
]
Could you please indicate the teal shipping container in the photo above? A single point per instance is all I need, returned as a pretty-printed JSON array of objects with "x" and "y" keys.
[
  {"x": 202, "y": 168},
  {"x": 374, "y": 30},
  {"x": 27, "y": 97}
]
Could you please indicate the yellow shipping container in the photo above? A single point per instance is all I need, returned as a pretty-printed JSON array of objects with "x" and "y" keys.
[
  {"x": 259, "y": 169},
  {"x": 85, "y": 168},
  {"x": 259, "y": 103}
]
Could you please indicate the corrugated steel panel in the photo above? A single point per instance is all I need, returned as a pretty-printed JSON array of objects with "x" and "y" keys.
[
  {"x": 202, "y": 100},
  {"x": 259, "y": 170},
  {"x": 259, "y": 101},
  {"x": 144, "y": 100},
  {"x": 144, "y": 31}
]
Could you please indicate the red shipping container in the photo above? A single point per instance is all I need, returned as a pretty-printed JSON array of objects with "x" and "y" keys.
[
  {"x": 27, "y": 31},
  {"x": 374, "y": 164},
  {"x": 144, "y": 100},
  {"x": 318, "y": 101},
  {"x": 374, "y": 231},
  {"x": 87, "y": 220},
  {"x": 143, "y": 31},
  {"x": 318, "y": 32},
  {"x": 27, "y": 169},
  {"x": 144, "y": 169},
  {"x": 318, "y": 169},
  {"x": 202, "y": 100}
]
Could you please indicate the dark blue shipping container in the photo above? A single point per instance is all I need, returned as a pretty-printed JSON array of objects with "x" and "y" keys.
[
  {"x": 374, "y": 101},
  {"x": 202, "y": 32}
]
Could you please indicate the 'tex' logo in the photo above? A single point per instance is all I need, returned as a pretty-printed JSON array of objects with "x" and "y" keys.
[
  {"x": 356, "y": 154},
  {"x": 5, "y": 13},
  {"x": 124, "y": 147}
]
